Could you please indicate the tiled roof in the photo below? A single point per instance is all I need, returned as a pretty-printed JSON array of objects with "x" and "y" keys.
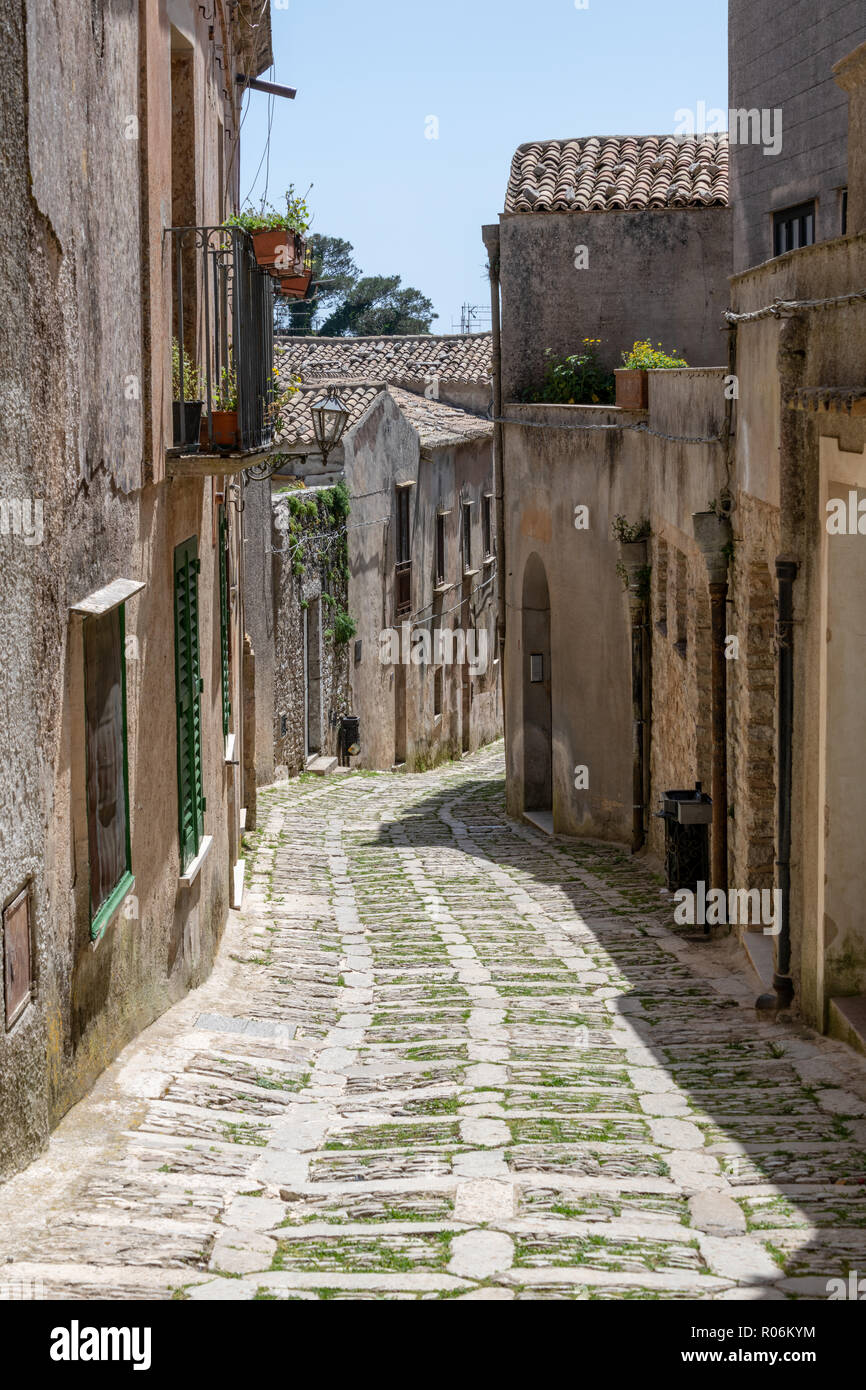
[
  {"x": 436, "y": 424},
  {"x": 297, "y": 423},
  {"x": 610, "y": 172},
  {"x": 465, "y": 358}
]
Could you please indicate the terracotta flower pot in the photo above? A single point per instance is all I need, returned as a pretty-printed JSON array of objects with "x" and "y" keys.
[
  {"x": 274, "y": 245},
  {"x": 295, "y": 286},
  {"x": 225, "y": 430},
  {"x": 632, "y": 388}
]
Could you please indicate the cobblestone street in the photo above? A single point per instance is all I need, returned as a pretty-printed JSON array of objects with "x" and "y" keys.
[{"x": 445, "y": 1056}]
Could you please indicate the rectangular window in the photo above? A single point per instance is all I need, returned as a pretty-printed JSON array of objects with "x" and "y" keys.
[
  {"x": 793, "y": 228},
  {"x": 844, "y": 211},
  {"x": 467, "y": 536},
  {"x": 440, "y": 548},
  {"x": 487, "y": 524},
  {"x": 403, "y": 575},
  {"x": 188, "y": 686},
  {"x": 17, "y": 957},
  {"x": 437, "y": 694},
  {"x": 225, "y": 663},
  {"x": 107, "y": 769}
]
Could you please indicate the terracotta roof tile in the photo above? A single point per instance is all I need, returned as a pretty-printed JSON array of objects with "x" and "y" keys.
[
  {"x": 436, "y": 423},
  {"x": 297, "y": 423},
  {"x": 619, "y": 172},
  {"x": 403, "y": 360}
]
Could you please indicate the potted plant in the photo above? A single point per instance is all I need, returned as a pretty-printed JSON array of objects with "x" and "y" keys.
[
  {"x": 578, "y": 379},
  {"x": 632, "y": 381},
  {"x": 296, "y": 286},
  {"x": 278, "y": 237},
  {"x": 224, "y": 415},
  {"x": 186, "y": 413},
  {"x": 632, "y": 564}
]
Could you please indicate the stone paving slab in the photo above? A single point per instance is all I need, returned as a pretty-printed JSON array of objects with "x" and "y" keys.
[{"x": 445, "y": 1056}]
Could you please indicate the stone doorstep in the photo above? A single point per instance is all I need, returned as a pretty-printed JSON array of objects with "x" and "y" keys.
[
  {"x": 761, "y": 956},
  {"x": 847, "y": 1020}
]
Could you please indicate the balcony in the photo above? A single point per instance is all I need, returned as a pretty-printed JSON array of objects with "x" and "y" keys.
[{"x": 223, "y": 353}]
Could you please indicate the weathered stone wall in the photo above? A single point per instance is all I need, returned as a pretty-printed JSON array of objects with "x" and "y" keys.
[
  {"x": 680, "y": 637},
  {"x": 308, "y": 565},
  {"x": 820, "y": 456},
  {"x": 85, "y": 143},
  {"x": 260, "y": 614},
  {"x": 660, "y": 274},
  {"x": 380, "y": 453},
  {"x": 752, "y": 692},
  {"x": 548, "y": 473},
  {"x": 781, "y": 57}
]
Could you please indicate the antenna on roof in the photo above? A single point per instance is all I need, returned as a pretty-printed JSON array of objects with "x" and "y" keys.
[{"x": 474, "y": 318}]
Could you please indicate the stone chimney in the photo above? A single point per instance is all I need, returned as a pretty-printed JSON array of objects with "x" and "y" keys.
[{"x": 850, "y": 74}]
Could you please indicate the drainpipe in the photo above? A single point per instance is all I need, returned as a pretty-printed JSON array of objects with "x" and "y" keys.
[
  {"x": 786, "y": 573},
  {"x": 634, "y": 560},
  {"x": 714, "y": 536},
  {"x": 490, "y": 235},
  {"x": 639, "y": 723}
]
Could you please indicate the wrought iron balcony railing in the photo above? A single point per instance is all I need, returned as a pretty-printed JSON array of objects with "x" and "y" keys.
[{"x": 223, "y": 307}]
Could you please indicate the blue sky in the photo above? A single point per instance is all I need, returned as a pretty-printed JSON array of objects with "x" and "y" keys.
[{"x": 495, "y": 73}]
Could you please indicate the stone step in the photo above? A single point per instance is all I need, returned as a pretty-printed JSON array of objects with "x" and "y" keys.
[{"x": 322, "y": 766}]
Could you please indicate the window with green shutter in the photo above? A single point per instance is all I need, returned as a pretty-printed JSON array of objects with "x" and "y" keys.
[
  {"x": 188, "y": 685},
  {"x": 224, "y": 616}
]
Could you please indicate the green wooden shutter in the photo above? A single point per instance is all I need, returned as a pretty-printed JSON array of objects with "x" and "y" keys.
[
  {"x": 188, "y": 685},
  {"x": 224, "y": 617}
]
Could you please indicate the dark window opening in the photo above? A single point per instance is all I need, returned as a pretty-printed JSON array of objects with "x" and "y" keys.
[
  {"x": 437, "y": 693},
  {"x": 17, "y": 956},
  {"x": 467, "y": 536},
  {"x": 793, "y": 228},
  {"x": 107, "y": 775},
  {"x": 403, "y": 574},
  {"x": 440, "y": 549},
  {"x": 844, "y": 211},
  {"x": 487, "y": 526}
]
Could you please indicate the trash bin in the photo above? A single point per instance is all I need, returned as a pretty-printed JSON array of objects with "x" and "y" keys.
[
  {"x": 350, "y": 738},
  {"x": 687, "y": 816}
]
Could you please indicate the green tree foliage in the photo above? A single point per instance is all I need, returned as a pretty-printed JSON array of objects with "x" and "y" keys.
[{"x": 345, "y": 303}]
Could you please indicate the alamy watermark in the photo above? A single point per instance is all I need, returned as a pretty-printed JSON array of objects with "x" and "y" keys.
[
  {"x": 755, "y": 126},
  {"x": 744, "y": 907},
  {"x": 444, "y": 646},
  {"x": 853, "y": 1288},
  {"x": 21, "y": 1290},
  {"x": 22, "y": 518}
]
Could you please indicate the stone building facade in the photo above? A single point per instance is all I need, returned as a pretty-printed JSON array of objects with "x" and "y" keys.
[
  {"x": 417, "y": 469},
  {"x": 750, "y": 644},
  {"x": 780, "y": 62},
  {"x": 592, "y": 230},
  {"x": 112, "y": 126}
]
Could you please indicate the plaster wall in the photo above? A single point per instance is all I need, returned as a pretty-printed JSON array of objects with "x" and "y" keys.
[
  {"x": 658, "y": 274},
  {"x": 380, "y": 453},
  {"x": 85, "y": 326}
]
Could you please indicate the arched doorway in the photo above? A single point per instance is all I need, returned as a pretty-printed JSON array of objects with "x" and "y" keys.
[{"x": 537, "y": 710}]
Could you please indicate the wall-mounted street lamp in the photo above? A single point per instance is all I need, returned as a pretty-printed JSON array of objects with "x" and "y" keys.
[{"x": 330, "y": 418}]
